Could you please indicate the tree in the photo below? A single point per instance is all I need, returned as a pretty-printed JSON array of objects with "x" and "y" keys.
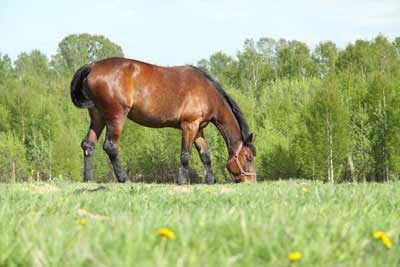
[
  {"x": 76, "y": 50},
  {"x": 219, "y": 62},
  {"x": 251, "y": 68},
  {"x": 294, "y": 60},
  {"x": 6, "y": 69},
  {"x": 266, "y": 47},
  {"x": 396, "y": 44},
  {"x": 380, "y": 91},
  {"x": 12, "y": 158},
  {"x": 356, "y": 59},
  {"x": 355, "y": 93},
  {"x": 325, "y": 55},
  {"x": 326, "y": 119},
  {"x": 33, "y": 65}
]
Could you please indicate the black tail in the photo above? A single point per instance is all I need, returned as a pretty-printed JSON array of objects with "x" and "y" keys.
[{"x": 77, "y": 96}]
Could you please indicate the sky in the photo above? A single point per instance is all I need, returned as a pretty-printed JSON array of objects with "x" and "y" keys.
[{"x": 183, "y": 32}]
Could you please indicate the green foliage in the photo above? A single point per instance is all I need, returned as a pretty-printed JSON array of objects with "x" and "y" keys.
[
  {"x": 13, "y": 164},
  {"x": 151, "y": 155},
  {"x": 294, "y": 60},
  {"x": 326, "y": 119},
  {"x": 324, "y": 113},
  {"x": 77, "y": 50},
  {"x": 6, "y": 69},
  {"x": 326, "y": 55},
  {"x": 34, "y": 65},
  {"x": 278, "y": 123}
]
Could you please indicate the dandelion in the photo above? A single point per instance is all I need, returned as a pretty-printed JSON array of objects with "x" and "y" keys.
[
  {"x": 305, "y": 189},
  {"x": 386, "y": 241},
  {"x": 167, "y": 233},
  {"x": 209, "y": 190},
  {"x": 294, "y": 256},
  {"x": 81, "y": 221},
  {"x": 384, "y": 238},
  {"x": 378, "y": 234}
]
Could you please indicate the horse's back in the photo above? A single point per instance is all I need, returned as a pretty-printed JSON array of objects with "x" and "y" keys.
[{"x": 151, "y": 95}]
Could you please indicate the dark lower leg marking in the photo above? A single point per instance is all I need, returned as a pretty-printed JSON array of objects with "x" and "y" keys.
[
  {"x": 112, "y": 151},
  {"x": 185, "y": 157},
  {"x": 183, "y": 170},
  {"x": 189, "y": 131},
  {"x": 206, "y": 159},
  {"x": 201, "y": 147},
  {"x": 88, "y": 150}
]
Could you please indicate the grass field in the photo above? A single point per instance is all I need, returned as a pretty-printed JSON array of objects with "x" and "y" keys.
[{"x": 62, "y": 224}]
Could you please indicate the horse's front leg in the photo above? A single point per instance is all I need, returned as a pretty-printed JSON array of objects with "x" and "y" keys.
[
  {"x": 189, "y": 131},
  {"x": 201, "y": 147}
]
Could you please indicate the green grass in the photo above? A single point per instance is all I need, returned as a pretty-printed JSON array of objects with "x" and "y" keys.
[{"x": 234, "y": 225}]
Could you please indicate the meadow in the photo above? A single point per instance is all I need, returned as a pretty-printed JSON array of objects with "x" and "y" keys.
[{"x": 71, "y": 224}]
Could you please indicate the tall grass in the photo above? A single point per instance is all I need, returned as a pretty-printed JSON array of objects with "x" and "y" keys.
[{"x": 222, "y": 225}]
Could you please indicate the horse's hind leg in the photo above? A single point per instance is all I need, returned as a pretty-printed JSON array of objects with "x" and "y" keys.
[
  {"x": 111, "y": 146},
  {"x": 201, "y": 147},
  {"x": 96, "y": 127}
]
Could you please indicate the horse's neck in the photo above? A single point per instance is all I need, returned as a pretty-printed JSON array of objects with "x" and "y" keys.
[{"x": 229, "y": 128}]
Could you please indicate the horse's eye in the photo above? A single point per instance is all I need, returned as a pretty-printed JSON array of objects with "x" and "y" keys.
[{"x": 249, "y": 158}]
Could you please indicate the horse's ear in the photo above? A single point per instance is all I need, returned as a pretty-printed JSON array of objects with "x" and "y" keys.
[{"x": 250, "y": 139}]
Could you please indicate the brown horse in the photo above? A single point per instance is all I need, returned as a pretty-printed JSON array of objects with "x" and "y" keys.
[{"x": 182, "y": 97}]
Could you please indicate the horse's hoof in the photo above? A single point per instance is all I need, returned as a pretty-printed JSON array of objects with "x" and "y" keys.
[
  {"x": 183, "y": 174},
  {"x": 210, "y": 179},
  {"x": 124, "y": 180},
  {"x": 181, "y": 181},
  {"x": 210, "y": 182}
]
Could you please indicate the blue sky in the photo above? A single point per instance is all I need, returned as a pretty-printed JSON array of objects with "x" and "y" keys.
[{"x": 183, "y": 32}]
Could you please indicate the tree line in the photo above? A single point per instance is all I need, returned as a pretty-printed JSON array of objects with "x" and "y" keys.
[{"x": 324, "y": 113}]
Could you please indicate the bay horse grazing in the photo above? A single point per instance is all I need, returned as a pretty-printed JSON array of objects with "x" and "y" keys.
[{"x": 183, "y": 97}]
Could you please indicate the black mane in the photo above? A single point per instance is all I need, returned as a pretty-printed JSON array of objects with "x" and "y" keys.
[{"x": 244, "y": 127}]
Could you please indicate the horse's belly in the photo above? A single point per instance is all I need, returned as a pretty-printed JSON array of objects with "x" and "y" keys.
[{"x": 153, "y": 119}]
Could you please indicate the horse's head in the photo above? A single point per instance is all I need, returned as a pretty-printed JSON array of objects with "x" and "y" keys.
[{"x": 242, "y": 164}]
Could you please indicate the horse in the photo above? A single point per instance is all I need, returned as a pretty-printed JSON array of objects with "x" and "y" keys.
[{"x": 182, "y": 97}]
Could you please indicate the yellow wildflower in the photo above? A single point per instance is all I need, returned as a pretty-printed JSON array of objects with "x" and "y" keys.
[
  {"x": 81, "y": 221},
  {"x": 167, "y": 233},
  {"x": 305, "y": 190},
  {"x": 378, "y": 234},
  {"x": 384, "y": 238},
  {"x": 209, "y": 190},
  {"x": 386, "y": 241},
  {"x": 294, "y": 256}
]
